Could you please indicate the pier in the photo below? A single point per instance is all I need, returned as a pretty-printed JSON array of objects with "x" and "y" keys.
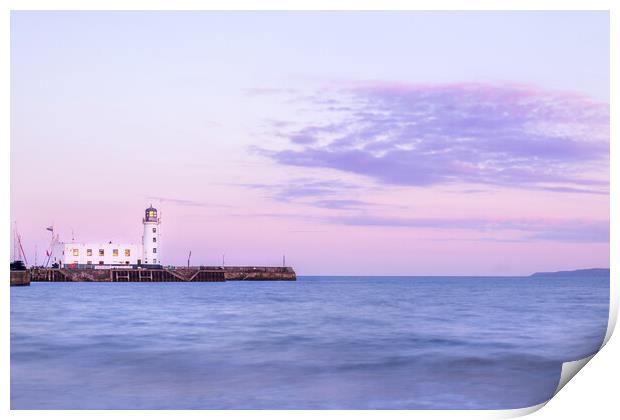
[
  {"x": 163, "y": 274},
  {"x": 131, "y": 262}
]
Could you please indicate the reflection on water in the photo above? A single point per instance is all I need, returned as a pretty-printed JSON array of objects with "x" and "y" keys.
[{"x": 320, "y": 342}]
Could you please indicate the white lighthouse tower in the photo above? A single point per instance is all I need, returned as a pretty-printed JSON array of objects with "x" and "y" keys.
[{"x": 151, "y": 246}]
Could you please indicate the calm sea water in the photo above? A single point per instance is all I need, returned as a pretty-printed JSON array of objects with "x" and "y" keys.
[{"x": 320, "y": 342}]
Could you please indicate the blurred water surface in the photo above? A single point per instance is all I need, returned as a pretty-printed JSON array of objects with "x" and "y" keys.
[{"x": 318, "y": 343}]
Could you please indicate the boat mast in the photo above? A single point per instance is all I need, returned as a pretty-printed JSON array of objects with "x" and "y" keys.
[
  {"x": 51, "y": 250},
  {"x": 13, "y": 258},
  {"x": 17, "y": 243}
]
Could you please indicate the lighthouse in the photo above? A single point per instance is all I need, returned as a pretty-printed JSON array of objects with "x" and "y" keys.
[{"x": 151, "y": 246}]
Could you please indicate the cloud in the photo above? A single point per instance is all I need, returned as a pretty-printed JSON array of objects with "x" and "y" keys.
[
  {"x": 304, "y": 188},
  {"x": 525, "y": 229},
  {"x": 341, "y": 204},
  {"x": 595, "y": 232},
  {"x": 586, "y": 230},
  {"x": 324, "y": 194},
  {"x": 427, "y": 135},
  {"x": 574, "y": 190},
  {"x": 182, "y": 202}
]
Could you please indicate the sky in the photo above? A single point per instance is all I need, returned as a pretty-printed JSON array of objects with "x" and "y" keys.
[{"x": 354, "y": 143}]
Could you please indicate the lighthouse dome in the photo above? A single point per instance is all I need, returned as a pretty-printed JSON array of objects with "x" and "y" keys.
[{"x": 150, "y": 214}]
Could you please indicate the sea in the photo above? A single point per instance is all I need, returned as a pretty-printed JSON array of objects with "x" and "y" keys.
[{"x": 317, "y": 343}]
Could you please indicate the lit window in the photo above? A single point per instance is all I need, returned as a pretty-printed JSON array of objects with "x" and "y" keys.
[
  {"x": 154, "y": 250},
  {"x": 154, "y": 239},
  {"x": 115, "y": 252},
  {"x": 154, "y": 230},
  {"x": 127, "y": 253},
  {"x": 89, "y": 252},
  {"x": 101, "y": 253},
  {"x": 75, "y": 252}
]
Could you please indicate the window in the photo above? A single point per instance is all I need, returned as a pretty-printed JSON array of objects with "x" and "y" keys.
[
  {"x": 76, "y": 252},
  {"x": 100, "y": 262},
  {"x": 127, "y": 262},
  {"x": 101, "y": 253},
  {"x": 154, "y": 230},
  {"x": 115, "y": 252},
  {"x": 154, "y": 261},
  {"x": 89, "y": 252},
  {"x": 154, "y": 250},
  {"x": 154, "y": 239},
  {"x": 127, "y": 253},
  {"x": 89, "y": 262}
]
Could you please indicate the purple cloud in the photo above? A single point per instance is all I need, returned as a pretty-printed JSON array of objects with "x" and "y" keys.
[
  {"x": 303, "y": 188},
  {"x": 425, "y": 135},
  {"x": 527, "y": 229},
  {"x": 531, "y": 229},
  {"x": 183, "y": 202},
  {"x": 326, "y": 194},
  {"x": 341, "y": 204}
]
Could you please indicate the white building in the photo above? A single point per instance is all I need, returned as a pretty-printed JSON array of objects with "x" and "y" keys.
[{"x": 74, "y": 254}]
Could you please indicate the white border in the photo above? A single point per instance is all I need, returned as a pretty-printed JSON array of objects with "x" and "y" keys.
[{"x": 600, "y": 381}]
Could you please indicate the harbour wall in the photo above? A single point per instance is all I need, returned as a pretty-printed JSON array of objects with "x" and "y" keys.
[
  {"x": 164, "y": 274},
  {"x": 20, "y": 278}
]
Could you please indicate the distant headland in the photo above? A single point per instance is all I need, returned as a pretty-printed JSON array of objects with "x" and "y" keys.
[{"x": 585, "y": 272}]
